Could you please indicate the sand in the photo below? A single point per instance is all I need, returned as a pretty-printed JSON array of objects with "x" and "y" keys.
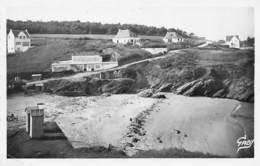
[{"x": 196, "y": 124}]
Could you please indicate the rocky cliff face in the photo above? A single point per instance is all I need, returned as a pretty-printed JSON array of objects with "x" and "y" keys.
[
  {"x": 192, "y": 74},
  {"x": 225, "y": 74}
]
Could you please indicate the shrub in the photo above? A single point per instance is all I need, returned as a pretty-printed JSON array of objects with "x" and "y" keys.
[{"x": 129, "y": 73}]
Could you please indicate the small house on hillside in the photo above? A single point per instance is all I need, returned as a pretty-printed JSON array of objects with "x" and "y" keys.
[
  {"x": 18, "y": 41},
  {"x": 85, "y": 62},
  {"x": 173, "y": 37},
  {"x": 233, "y": 41},
  {"x": 126, "y": 37}
]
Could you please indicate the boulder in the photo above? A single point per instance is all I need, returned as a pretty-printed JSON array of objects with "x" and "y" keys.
[
  {"x": 146, "y": 93},
  {"x": 106, "y": 94},
  {"x": 159, "y": 96},
  {"x": 165, "y": 87}
]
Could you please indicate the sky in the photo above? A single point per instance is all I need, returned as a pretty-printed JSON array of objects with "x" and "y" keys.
[{"x": 211, "y": 21}]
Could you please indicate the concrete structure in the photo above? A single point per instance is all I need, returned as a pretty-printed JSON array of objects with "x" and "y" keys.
[
  {"x": 162, "y": 50},
  {"x": 34, "y": 121},
  {"x": 233, "y": 41},
  {"x": 84, "y": 63},
  {"x": 36, "y": 77},
  {"x": 126, "y": 37},
  {"x": 39, "y": 87},
  {"x": 173, "y": 37},
  {"x": 18, "y": 41}
]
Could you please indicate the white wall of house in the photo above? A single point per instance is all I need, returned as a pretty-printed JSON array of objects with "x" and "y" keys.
[
  {"x": 132, "y": 40},
  {"x": 108, "y": 65},
  {"x": 234, "y": 43},
  {"x": 83, "y": 63},
  {"x": 173, "y": 40},
  {"x": 10, "y": 43},
  {"x": 22, "y": 43},
  {"x": 156, "y": 50}
]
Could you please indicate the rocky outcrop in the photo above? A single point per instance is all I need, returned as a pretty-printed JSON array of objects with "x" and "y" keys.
[
  {"x": 202, "y": 87},
  {"x": 241, "y": 89},
  {"x": 146, "y": 93},
  {"x": 165, "y": 87},
  {"x": 122, "y": 85},
  {"x": 92, "y": 86},
  {"x": 159, "y": 96}
]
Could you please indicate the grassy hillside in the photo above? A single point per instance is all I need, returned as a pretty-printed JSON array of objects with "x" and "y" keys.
[{"x": 47, "y": 50}]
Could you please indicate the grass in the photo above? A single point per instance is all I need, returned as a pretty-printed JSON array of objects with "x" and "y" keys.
[
  {"x": 93, "y": 36},
  {"x": 47, "y": 50}
]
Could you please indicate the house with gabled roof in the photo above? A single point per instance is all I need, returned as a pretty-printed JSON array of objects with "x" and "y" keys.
[
  {"x": 18, "y": 41},
  {"x": 233, "y": 41},
  {"x": 173, "y": 37},
  {"x": 85, "y": 62},
  {"x": 126, "y": 37}
]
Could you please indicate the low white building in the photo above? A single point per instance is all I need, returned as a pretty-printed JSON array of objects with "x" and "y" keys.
[
  {"x": 18, "y": 41},
  {"x": 173, "y": 37},
  {"x": 126, "y": 37},
  {"x": 84, "y": 63},
  {"x": 233, "y": 41},
  {"x": 162, "y": 50}
]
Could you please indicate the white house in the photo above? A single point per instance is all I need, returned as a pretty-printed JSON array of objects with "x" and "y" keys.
[
  {"x": 126, "y": 37},
  {"x": 18, "y": 41},
  {"x": 158, "y": 50},
  {"x": 173, "y": 37},
  {"x": 84, "y": 63},
  {"x": 233, "y": 41}
]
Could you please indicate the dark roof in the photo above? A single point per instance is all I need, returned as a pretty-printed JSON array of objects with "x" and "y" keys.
[
  {"x": 125, "y": 34},
  {"x": 170, "y": 35},
  {"x": 229, "y": 37},
  {"x": 16, "y": 32}
]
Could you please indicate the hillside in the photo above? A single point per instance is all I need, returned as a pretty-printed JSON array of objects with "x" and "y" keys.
[
  {"x": 223, "y": 73},
  {"x": 47, "y": 50}
]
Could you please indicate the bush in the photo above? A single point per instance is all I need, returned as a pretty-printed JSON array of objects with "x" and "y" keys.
[
  {"x": 116, "y": 86},
  {"x": 129, "y": 73}
]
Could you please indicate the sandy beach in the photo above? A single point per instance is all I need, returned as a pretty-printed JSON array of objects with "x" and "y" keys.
[{"x": 176, "y": 122}]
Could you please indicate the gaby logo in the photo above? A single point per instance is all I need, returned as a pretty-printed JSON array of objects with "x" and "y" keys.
[{"x": 244, "y": 143}]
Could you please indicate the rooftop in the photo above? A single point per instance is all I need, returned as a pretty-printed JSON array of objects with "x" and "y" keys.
[
  {"x": 170, "y": 35},
  {"x": 125, "y": 34},
  {"x": 229, "y": 37},
  {"x": 16, "y": 32}
]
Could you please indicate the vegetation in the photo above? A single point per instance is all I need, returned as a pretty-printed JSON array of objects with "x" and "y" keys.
[{"x": 78, "y": 27}]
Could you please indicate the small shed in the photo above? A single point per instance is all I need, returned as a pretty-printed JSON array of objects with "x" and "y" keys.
[
  {"x": 36, "y": 77},
  {"x": 34, "y": 121}
]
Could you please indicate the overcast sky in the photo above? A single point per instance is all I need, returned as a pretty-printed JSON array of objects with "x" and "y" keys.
[{"x": 212, "y": 22}]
